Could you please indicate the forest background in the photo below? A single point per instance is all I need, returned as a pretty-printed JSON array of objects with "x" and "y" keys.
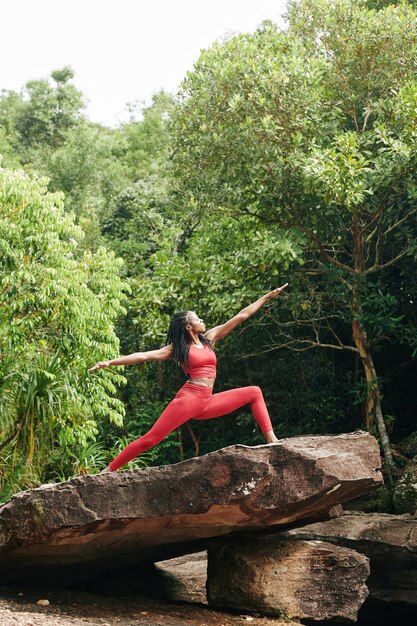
[{"x": 287, "y": 156}]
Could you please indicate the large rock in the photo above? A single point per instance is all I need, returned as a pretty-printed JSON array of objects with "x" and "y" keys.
[
  {"x": 390, "y": 542},
  {"x": 304, "y": 579},
  {"x": 72, "y": 530}
]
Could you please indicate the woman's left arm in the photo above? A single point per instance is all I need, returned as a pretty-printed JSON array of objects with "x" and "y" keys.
[{"x": 219, "y": 332}]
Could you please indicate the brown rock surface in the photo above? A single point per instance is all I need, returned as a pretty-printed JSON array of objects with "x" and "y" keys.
[
  {"x": 304, "y": 579},
  {"x": 390, "y": 542},
  {"x": 74, "y": 529}
]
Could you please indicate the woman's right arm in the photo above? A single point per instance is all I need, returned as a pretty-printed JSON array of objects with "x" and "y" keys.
[{"x": 163, "y": 354}]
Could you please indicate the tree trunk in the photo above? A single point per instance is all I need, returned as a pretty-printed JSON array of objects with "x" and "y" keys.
[
  {"x": 373, "y": 410},
  {"x": 373, "y": 400},
  {"x": 196, "y": 441}
]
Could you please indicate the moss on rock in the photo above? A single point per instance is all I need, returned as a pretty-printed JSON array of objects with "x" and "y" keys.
[{"x": 405, "y": 491}]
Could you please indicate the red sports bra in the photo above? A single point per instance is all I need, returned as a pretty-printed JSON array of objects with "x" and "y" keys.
[{"x": 202, "y": 363}]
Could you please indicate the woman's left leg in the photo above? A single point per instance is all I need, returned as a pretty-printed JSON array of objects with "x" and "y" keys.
[
  {"x": 228, "y": 401},
  {"x": 188, "y": 402}
]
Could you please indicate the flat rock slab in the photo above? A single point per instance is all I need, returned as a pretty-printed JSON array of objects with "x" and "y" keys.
[
  {"x": 284, "y": 577},
  {"x": 100, "y": 522},
  {"x": 390, "y": 542}
]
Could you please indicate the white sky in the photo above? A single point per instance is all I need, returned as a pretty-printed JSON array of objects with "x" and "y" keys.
[{"x": 121, "y": 50}]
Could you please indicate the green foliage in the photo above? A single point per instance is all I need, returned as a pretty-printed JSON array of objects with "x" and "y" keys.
[
  {"x": 281, "y": 148},
  {"x": 138, "y": 221},
  {"x": 57, "y": 311},
  {"x": 45, "y": 112},
  {"x": 313, "y": 131},
  {"x": 90, "y": 459},
  {"x": 97, "y": 169},
  {"x": 144, "y": 142},
  {"x": 227, "y": 263},
  {"x": 7, "y": 156},
  {"x": 405, "y": 491}
]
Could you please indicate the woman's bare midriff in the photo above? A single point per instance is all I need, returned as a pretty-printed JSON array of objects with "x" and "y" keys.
[{"x": 203, "y": 382}]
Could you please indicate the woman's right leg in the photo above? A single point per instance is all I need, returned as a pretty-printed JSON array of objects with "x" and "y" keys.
[
  {"x": 228, "y": 401},
  {"x": 183, "y": 407}
]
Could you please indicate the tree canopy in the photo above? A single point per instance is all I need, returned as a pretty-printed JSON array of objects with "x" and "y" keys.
[
  {"x": 289, "y": 155},
  {"x": 312, "y": 129}
]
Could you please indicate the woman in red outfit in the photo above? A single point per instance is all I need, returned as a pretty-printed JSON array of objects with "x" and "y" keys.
[{"x": 191, "y": 346}]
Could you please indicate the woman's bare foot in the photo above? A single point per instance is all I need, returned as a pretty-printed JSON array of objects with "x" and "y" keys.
[
  {"x": 270, "y": 437},
  {"x": 105, "y": 470}
]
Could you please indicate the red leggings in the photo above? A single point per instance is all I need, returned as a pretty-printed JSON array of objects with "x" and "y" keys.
[{"x": 199, "y": 403}]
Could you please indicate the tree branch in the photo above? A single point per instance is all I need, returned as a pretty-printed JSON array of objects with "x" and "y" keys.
[
  {"x": 335, "y": 335},
  {"x": 195, "y": 440},
  {"x": 377, "y": 267},
  {"x": 391, "y": 228},
  {"x": 290, "y": 346},
  {"x": 313, "y": 237},
  {"x": 365, "y": 121},
  {"x": 377, "y": 212}
]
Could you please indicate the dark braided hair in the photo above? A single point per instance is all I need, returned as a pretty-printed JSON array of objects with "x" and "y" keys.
[{"x": 180, "y": 339}]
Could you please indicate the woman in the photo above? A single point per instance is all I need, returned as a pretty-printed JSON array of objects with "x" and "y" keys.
[{"x": 191, "y": 346}]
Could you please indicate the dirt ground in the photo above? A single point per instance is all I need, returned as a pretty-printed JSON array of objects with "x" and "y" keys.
[{"x": 77, "y": 608}]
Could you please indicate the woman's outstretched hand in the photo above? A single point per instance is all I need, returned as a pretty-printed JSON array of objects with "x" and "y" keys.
[
  {"x": 275, "y": 292},
  {"x": 99, "y": 365}
]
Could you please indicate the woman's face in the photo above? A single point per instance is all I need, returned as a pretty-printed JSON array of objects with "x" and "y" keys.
[{"x": 194, "y": 323}]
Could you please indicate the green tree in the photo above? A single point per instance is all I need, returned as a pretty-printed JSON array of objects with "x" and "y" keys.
[
  {"x": 49, "y": 111},
  {"x": 136, "y": 214},
  {"x": 313, "y": 130},
  {"x": 7, "y": 156},
  {"x": 58, "y": 306},
  {"x": 145, "y": 139},
  {"x": 38, "y": 120}
]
